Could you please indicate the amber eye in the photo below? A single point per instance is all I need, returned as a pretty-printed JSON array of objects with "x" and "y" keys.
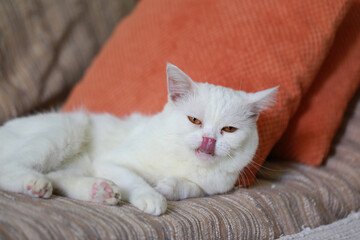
[
  {"x": 229, "y": 129},
  {"x": 194, "y": 120}
]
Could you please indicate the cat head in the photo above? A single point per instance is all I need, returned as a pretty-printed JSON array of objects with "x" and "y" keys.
[{"x": 214, "y": 122}]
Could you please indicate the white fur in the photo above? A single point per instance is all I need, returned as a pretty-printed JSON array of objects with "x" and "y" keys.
[{"x": 97, "y": 157}]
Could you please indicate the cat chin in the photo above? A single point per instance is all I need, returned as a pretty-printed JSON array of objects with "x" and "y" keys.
[{"x": 204, "y": 156}]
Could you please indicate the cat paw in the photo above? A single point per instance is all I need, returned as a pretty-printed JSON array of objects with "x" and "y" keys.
[
  {"x": 168, "y": 188},
  {"x": 150, "y": 202},
  {"x": 105, "y": 192},
  {"x": 39, "y": 187}
]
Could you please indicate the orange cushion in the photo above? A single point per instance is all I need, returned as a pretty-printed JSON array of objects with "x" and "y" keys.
[
  {"x": 242, "y": 44},
  {"x": 308, "y": 137}
]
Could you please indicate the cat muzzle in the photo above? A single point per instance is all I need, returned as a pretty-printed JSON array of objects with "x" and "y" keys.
[{"x": 207, "y": 146}]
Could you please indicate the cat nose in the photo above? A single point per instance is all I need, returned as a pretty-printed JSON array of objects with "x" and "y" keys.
[{"x": 208, "y": 146}]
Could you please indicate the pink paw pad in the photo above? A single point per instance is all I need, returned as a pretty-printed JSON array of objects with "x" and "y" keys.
[
  {"x": 103, "y": 187},
  {"x": 42, "y": 192}
]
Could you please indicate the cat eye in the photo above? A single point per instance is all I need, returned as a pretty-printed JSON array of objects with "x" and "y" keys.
[
  {"x": 194, "y": 120},
  {"x": 229, "y": 129}
]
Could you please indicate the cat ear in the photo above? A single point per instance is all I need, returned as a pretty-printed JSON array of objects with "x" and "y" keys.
[
  {"x": 261, "y": 100},
  {"x": 179, "y": 84}
]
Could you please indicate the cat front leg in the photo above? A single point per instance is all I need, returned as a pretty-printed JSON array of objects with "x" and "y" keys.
[
  {"x": 85, "y": 188},
  {"x": 16, "y": 178},
  {"x": 134, "y": 188},
  {"x": 178, "y": 188}
]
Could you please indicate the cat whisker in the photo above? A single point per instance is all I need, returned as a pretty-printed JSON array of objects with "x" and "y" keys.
[
  {"x": 253, "y": 174},
  {"x": 265, "y": 168},
  {"x": 241, "y": 179},
  {"x": 242, "y": 175},
  {"x": 260, "y": 166}
]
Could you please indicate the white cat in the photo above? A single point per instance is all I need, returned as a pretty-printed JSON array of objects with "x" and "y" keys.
[{"x": 196, "y": 146}]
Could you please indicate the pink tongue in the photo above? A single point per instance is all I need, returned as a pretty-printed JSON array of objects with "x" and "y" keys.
[{"x": 207, "y": 146}]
